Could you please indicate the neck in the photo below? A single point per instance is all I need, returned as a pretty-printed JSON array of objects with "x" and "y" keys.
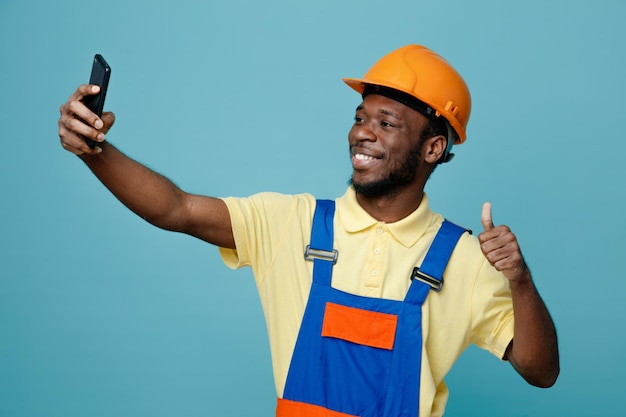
[{"x": 390, "y": 209}]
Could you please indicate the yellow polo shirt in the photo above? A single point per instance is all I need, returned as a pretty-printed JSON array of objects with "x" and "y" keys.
[{"x": 375, "y": 260}]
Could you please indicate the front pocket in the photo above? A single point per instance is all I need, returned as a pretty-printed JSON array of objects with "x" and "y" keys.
[{"x": 364, "y": 327}]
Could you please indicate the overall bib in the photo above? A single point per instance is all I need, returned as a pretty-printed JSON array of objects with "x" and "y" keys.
[{"x": 355, "y": 355}]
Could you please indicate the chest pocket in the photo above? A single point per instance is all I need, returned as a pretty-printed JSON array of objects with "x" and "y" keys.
[{"x": 363, "y": 327}]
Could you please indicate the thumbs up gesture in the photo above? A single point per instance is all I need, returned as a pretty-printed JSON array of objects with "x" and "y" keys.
[{"x": 500, "y": 247}]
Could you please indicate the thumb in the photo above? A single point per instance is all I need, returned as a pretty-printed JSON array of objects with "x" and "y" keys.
[
  {"x": 485, "y": 217},
  {"x": 108, "y": 118}
]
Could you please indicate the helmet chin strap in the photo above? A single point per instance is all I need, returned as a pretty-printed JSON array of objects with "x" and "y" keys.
[{"x": 447, "y": 156}]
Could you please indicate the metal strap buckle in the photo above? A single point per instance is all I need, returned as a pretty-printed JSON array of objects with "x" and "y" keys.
[
  {"x": 311, "y": 254},
  {"x": 435, "y": 283}
]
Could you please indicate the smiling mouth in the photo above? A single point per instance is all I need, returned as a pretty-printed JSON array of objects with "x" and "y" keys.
[
  {"x": 362, "y": 154},
  {"x": 362, "y": 157},
  {"x": 363, "y": 161}
]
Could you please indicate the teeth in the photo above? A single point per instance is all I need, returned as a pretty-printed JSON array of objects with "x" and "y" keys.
[{"x": 362, "y": 157}]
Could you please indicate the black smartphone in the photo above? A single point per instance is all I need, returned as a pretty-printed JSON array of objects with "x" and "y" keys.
[{"x": 100, "y": 74}]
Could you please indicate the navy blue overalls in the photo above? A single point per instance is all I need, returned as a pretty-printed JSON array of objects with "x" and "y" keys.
[{"x": 355, "y": 355}]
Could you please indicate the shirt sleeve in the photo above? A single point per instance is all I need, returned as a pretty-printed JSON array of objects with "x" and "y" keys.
[
  {"x": 259, "y": 223},
  {"x": 492, "y": 310}
]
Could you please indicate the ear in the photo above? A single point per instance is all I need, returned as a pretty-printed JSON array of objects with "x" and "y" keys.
[{"x": 434, "y": 148}]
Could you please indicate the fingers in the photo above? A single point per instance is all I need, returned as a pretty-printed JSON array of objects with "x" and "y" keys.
[
  {"x": 76, "y": 105},
  {"x": 485, "y": 217},
  {"x": 77, "y": 122},
  {"x": 498, "y": 244},
  {"x": 505, "y": 255},
  {"x": 73, "y": 132}
]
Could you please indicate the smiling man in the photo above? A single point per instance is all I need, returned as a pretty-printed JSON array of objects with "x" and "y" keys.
[{"x": 369, "y": 299}]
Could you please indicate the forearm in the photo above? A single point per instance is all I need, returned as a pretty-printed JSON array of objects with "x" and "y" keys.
[
  {"x": 534, "y": 350},
  {"x": 147, "y": 193}
]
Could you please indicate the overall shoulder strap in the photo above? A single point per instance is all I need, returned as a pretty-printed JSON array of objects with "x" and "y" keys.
[
  {"x": 430, "y": 274},
  {"x": 320, "y": 250}
]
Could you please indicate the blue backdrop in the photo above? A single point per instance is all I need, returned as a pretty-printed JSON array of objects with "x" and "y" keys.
[{"x": 103, "y": 315}]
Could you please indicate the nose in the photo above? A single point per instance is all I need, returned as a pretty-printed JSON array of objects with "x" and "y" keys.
[{"x": 362, "y": 132}]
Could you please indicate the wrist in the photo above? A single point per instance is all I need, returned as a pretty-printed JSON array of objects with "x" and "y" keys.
[{"x": 522, "y": 281}]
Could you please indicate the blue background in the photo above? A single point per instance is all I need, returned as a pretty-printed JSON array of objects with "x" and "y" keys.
[{"x": 102, "y": 314}]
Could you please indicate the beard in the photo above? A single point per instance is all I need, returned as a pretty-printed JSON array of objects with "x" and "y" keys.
[{"x": 400, "y": 175}]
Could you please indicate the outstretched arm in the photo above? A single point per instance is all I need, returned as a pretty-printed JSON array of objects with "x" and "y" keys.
[
  {"x": 534, "y": 350},
  {"x": 147, "y": 193}
]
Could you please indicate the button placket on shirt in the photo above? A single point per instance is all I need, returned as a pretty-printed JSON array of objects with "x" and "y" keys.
[{"x": 375, "y": 267}]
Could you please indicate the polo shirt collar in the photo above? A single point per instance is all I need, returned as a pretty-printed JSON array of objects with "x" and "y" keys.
[{"x": 407, "y": 231}]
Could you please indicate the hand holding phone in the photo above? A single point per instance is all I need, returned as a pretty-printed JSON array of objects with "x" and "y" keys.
[{"x": 100, "y": 74}]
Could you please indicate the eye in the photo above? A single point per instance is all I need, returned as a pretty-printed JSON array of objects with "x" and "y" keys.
[
  {"x": 386, "y": 124},
  {"x": 358, "y": 120}
]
